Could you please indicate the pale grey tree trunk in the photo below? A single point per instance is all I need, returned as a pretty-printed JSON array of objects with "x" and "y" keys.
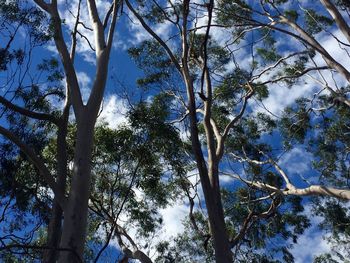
[
  {"x": 76, "y": 212},
  {"x": 55, "y": 223},
  {"x": 75, "y": 207}
]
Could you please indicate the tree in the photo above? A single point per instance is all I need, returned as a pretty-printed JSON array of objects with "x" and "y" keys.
[
  {"x": 216, "y": 103},
  {"x": 74, "y": 205},
  {"x": 201, "y": 85}
]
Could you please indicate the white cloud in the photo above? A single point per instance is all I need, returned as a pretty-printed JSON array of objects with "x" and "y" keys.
[
  {"x": 173, "y": 216},
  {"x": 312, "y": 243},
  {"x": 296, "y": 161},
  {"x": 281, "y": 96},
  {"x": 113, "y": 112},
  {"x": 84, "y": 83},
  {"x": 139, "y": 34}
]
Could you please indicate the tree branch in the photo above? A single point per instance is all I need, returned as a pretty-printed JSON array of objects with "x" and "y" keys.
[
  {"x": 71, "y": 77},
  {"x": 28, "y": 113},
  {"x": 97, "y": 26},
  {"x": 45, "y": 6},
  {"x": 338, "y": 18},
  {"x": 331, "y": 62},
  {"x": 155, "y": 36},
  {"x": 221, "y": 142},
  {"x": 38, "y": 163},
  {"x": 136, "y": 254}
]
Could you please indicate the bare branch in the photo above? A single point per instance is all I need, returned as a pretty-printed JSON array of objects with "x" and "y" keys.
[
  {"x": 221, "y": 142},
  {"x": 297, "y": 75},
  {"x": 87, "y": 40},
  {"x": 136, "y": 253},
  {"x": 278, "y": 62},
  {"x": 213, "y": 124},
  {"x": 109, "y": 12},
  {"x": 112, "y": 26},
  {"x": 97, "y": 26},
  {"x": 338, "y": 18},
  {"x": 305, "y": 37},
  {"x": 74, "y": 34},
  {"x": 319, "y": 190},
  {"x": 71, "y": 77}
]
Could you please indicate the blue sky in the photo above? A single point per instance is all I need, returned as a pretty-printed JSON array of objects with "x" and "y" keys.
[{"x": 123, "y": 73}]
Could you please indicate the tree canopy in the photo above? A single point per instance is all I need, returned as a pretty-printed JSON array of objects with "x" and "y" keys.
[{"x": 231, "y": 143}]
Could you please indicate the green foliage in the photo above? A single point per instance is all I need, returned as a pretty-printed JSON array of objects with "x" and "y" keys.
[
  {"x": 315, "y": 22},
  {"x": 327, "y": 258},
  {"x": 268, "y": 55},
  {"x": 291, "y": 15},
  {"x": 336, "y": 218},
  {"x": 150, "y": 57},
  {"x": 295, "y": 122},
  {"x": 21, "y": 14},
  {"x": 227, "y": 8}
]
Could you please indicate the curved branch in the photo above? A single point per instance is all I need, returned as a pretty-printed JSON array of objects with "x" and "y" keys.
[
  {"x": 28, "y": 113},
  {"x": 71, "y": 77},
  {"x": 308, "y": 191},
  {"x": 155, "y": 36},
  {"x": 221, "y": 142},
  {"x": 38, "y": 163},
  {"x": 320, "y": 190},
  {"x": 297, "y": 75},
  {"x": 136, "y": 254},
  {"x": 307, "y": 38}
]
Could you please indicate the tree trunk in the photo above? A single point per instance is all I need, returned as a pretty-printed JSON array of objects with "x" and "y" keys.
[
  {"x": 54, "y": 234},
  {"x": 217, "y": 223},
  {"x": 212, "y": 196},
  {"x": 76, "y": 212},
  {"x": 55, "y": 225}
]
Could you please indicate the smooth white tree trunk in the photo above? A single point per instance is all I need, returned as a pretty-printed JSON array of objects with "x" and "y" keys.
[{"x": 76, "y": 213}]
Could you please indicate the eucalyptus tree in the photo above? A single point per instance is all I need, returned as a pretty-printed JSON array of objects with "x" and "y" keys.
[
  {"x": 17, "y": 187},
  {"x": 319, "y": 121},
  {"x": 72, "y": 200},
  {"x": 198, "y": 63},
  {"x": 207, "y": 82}
]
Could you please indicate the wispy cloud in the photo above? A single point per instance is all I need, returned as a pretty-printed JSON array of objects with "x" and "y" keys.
[
  {"x": 312, "y": 243},
  {"x": 114, "y": 111}
]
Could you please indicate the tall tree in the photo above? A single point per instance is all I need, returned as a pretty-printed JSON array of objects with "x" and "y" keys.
[
  {"x": 215, "y": 98},
  {"x": 208, "y": 88},
  {"x": 72, "y": 200}
]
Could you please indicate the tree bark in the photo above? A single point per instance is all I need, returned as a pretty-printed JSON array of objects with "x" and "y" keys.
[
  {"x": 338, "y": 18},
  {"x": 217, "y": 224},
  {"x": 76, "y": 212},
  {"x": 211, "y": 188},
  {"x": 55, "y": 224},
  {"x": 53, "y": 234}
]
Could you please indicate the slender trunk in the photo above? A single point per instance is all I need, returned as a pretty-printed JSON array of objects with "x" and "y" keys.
[
  {"x": 76, "y": 212},
  {"x": 212, "y": 196},
  {"x": 55, "y": 225},
  {"x": 54, "y": 234},
  {"x": 217, "y": 223}
]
